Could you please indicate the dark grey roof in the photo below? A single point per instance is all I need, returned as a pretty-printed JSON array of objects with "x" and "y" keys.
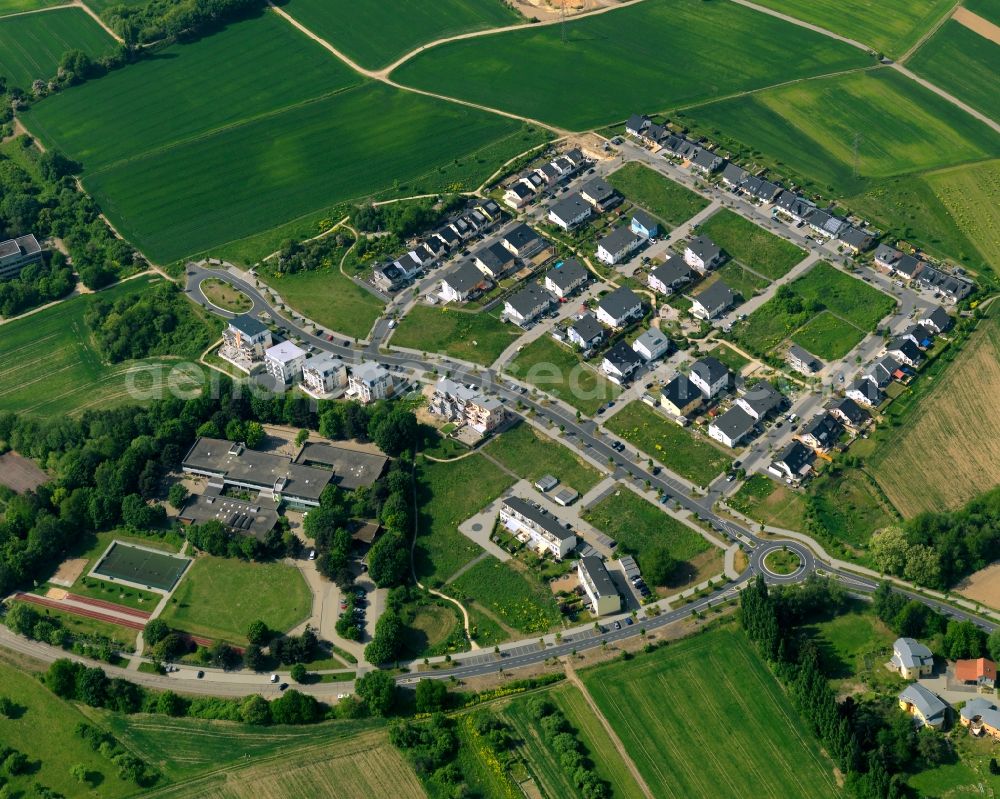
[
  {"x": 795, "y": 456},
  {"x": 763, "y": 398},
  {"x": 827, "y": 222},
  {"x": 598, "y": 573},
  {"x": 704, "y": 248},
  {"x": 599, "y": 189},
  {"x": 528, "y": 299},
  {"x": 855, "y": 413},
  {"x": 956, "y": 287},
  {"x": 733, "y": 174},
  {"x": 806, "y": 357},
  {"x": 637, "y": 122},
  {"x": 619, "y": 302},
  {"x": 824, "y": 428},
  {"x": 648, "y": 221},
  {"x": 568, "y": 274},
  {"x": 855, "y": 237},
  {"x": 587, "y": 327},
  {"x": 887, "y": 254},
  {"x": 868, "y": 389},
  {"x": 907, "y": 348},
  {"x": 735, "y": 423},
  {"x": 539, "y": 516},
  {"x": 618, "y": 240},
  {"x": 490, "y": 207},
  {"x": 706, "y": 159},
  {"x": 521, "y": 236},
  {"x": 465, "y": 277},
  {"x": 496, "y": 256},
  {"x": 19, "y": 247},
  {"x": 709, "y": 369},
  {"x": 674, "y": 270},
  {"x": 248, "y": 325},
  {"x": 716, "y": 296},
  {"x": 623, "y": 356},
  {"x": 907, "y": 265},
  {"x": 521, "y": 190},
  {"x": 794, "y": 204},
  {"x": 680, "y": 391},
  {"x": 351, "y": 468},
  {"x": 938, "y": 318},
  {"x": 575, "y": 155},
  {"x": 570, "y": 207},
  {"x": 450, "y": 237}
]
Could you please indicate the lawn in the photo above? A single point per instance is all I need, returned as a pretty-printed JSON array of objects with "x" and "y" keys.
[
  {"x": 558, "y": 371},
  {"x": 44, "y": 731},
  {"x": 705, "y": 718},
  {"x": 377, "y": 32},
  {"x": 530, "y": 454},
  {"x": 852, "y": 644},
  {"x": 889, "y": 26},
  {"x": 963, "y": 63},
  {"x": 828, "y": 336},
  {"x": 50, "y": 366},
  {"x": 448, "y": 494},
  {"x": 848, "y": 507},
  {"x": 770, "y": 503},
  {"x": 658, "y": 194},
  {"x": 330, "y": 298},
  {"x": 258, "y": 150},
  {"x": 474, "y": 336},
  {"x": 225, "y": 295},
  {"x": 946, "y": 448},
  {"x": 808, "y": 130},
  {"x": 741, "y": 280},
  {"x": 751, "y": 245},
  {"x": 517, "y": 598},
  {"x": 638, "y": 526},
  {"x": 219, "y": 597},
  {"x": 686, "y": 452},
  {"x": 32, "y": 45},
  {"x": 610, "y": 65},
  {"x": 729, "y": 357}
]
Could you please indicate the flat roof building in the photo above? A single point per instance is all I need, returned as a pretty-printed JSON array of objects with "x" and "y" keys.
[
  {"x": 598, "y": 586},
  {"x": 349, "y": 468},
  {"x": 255, "y": 518},
  {"x": 15, "y": 254}
]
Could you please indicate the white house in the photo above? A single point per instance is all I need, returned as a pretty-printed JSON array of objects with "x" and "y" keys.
[
  {"x": 761, "y": 400},
  {"x": 245, "y": 339},
  {"x": 670, "y": 275},
  {"x": 710, "y": 375},
  {"x": 598, "y": 586},
  {"x": 865, "y": 392},
  {"x": 620, "y": 362},
  {"x": 586, "y": 332},
  {"x": 570, "y": 212},
  {"x": 370, "y": 381},
  {"x": 324, "y": 374},
  {"x": 732, "y": 427},
  {"x": 536, "y": 527},
  {"x": 713, "y": 301},
  {"x": 528, "y": 304},
  {"x": 462, "y": 283},
  {"x": 794, "y": 462},
  {"x": 566, "y": 277},
  {"x": 284, "y": 361},
  {"x": 911, "y": 659},
  {"x": 702, "y": 253},
  {"x": 619, "y": 307},
  {"x": 517, "y": 196},
  {"x": 15, "y": 254},
  {"x": 618, "y": 244},
  {"x": 652, "y": 344}
]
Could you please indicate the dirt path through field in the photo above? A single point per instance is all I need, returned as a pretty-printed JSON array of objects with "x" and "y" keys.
[
  {"x": 612, "y": 735},
  {"x": 976, "y": 23}
]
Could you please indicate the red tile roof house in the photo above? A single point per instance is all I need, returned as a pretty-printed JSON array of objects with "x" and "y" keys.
[{"x": 981, "y": 672}]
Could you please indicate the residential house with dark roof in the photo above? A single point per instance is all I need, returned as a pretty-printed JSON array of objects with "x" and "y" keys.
[
  {"x": 761, "y": 189},
  {"x": 856, "y": 239},
  {"x": 518, "y": 195},
  {"x": 865, "y": 392},
  {"x": 536, "y": 527},
  {"x": 644, "y": 224},
  {"x": 849, "y": 412},
  {"x": 794, "y": 206},
  {"x": 732, "y": 427},
  {"x": 707, "y": 162},
  {"x": 905, "y": 351},
  {"x": 802, "y": 361},
  {"x": 570, "y": 211},
  {"x": 636, "y": 125},
  {"x": 886, "y": 256},
  {"x": 670, "y": 275},
  {"x": 598, "y": 586},
  {"x": 938, "y": 320},
  {"x": 794, "y": 462},
  {"x": 821, "y": 432},
  {"x": 884, "y": 371},
  {"x": 619, "y": 363},
  {"x": 919, "y": 335},
  {"x": 710, "y": 375},
  {"x": 617, "y": 245},
  {"x": 522, "y": 241},
  {"x": 733, "y": 175},
  {"x": 494, "y": 261},
  {"x": 702, "y": 253},
  {"x": 600, "y": 194},
  {"x": 761, "y": 400},
  {"x": 951, "y": 286},
  {"x": 680, "y": 397},
  {"x": 713, "y": 301},
  {"x": 527, "y": 304},
  {"x": 907, "y": 266},
  {"x": 619, "y": 307},
  {"x": 566, "y": 278},
  {"x": 586, "y": 332},
  {"x": 826, "y": 224},
  {"x": 245, "y": 339},
  {"x": 463, "y": 283}
]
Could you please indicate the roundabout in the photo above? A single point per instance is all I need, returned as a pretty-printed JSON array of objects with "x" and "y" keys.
[{"x": 782, "y": 561}]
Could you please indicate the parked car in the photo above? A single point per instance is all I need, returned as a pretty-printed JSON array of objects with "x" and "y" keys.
[{"x": 617, "y": 625}]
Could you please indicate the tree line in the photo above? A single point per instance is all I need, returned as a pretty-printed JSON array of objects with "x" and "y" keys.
[
  {"x": 36, "y": 285},
  {"x": 157, "y": 20}
]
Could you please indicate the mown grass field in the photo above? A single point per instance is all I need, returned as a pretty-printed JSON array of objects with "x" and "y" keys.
[
  {"x": 827, "y": 336},
  {"x": 448, "y": 494},
  {"x": 330, "y": 299},
  {"x": 373, "y": 33},
  {"x": 44, "y": 731},
  {"x": 532, "y": 455},
  {"x": 219, "y": 597},
  {"x": 769, "y": 502},
  {"x": 32, "y": 45},
  {"x": 852, "y": 643},
  {"x": 518, "y": 599},
  {"x": 964, "y": 64},
  {"x": 259, "y": 151},
  {"x": 686, "y": 452},
  {"x": 612, "y": 64},
  {"x": 809, "y": 128},
  {"x": 557, "y": 370},
  {"x": 479, "y": 337},
  {"x": 948, "y": 448},
  {"x": 658, "y": 194},
  {"x": 889, "y": 26},
  {"x": 49, "y": 364},
  {"x": 704, "y": 718},
  {"x": 751, "y": 245}
]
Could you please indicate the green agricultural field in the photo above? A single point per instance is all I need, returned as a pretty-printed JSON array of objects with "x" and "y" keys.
[
  {"x": 889, "y": 26},
  {"x": 558, "y": 371},
  {"x": 44, "y": 731},
  {"x": 763, "y": 252},
  {"x": 373, "y": 32},
  {"x": 828, "y": 336},
  {"x": 638, "y": 526},
  {"x": 662, "y": 197},
  {"x": 32, "y": 45},
  {"x": 964, "y": 64},
  {"x": 987, "y": 9},
  {"x": 667, "y": 707},
  {"x": 11, "y": 7},
  {"x": 531, "y": 454},
  {"x": 612, "y": 64},
  {"x": 518, "y": 599},
  {"x": 808, "y": 129},
  {"x": 692, "y": 455},
  {"x": 219, "y": 597},
  {"x": 330, "y": 299},
  {"x": 448, "y": 494},
  {"x": 740, "y": 279},
  {"x": 259, "y": 151},
  {"x": 50, "y": 366},
  {"x": 479, "y": 337}
]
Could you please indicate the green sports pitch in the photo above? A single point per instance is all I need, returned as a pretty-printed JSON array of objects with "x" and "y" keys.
[{"x": 141, "y": 566}]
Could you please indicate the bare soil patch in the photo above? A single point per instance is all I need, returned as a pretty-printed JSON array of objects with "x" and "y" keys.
[
  {"x": 983, "y": 586},
  {"x": 976, "y": 23},
  {"x": 19, "y": 473}
]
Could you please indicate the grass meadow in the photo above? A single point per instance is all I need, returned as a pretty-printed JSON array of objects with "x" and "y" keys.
[
  {"x": 770, "y": 503},
  {"x": 741, "y": 280},
  {"x": 692, "y": 455},
  {"x": 32, "y": 45},
  {"x": 936, "y": 459},
  {"x": 448, "y": 494},
  {"x": 662, "y": 197},
  {"x": 889, "y": 26},
  {"x": 20, "y": 6},
  {"x": 50, "y": 366},
  {"x": 964, "y": 64},
  {"x": 808, "y": 129},
  {"x": 705, "y": 718},
  {"x": 379, "y": 32},
  {"x": 531, "y": 455},
  {"x": 330, "y": 299},
  {"x": 751, "y": 245},
  {"x": 479, "y": 337},
  {"x": 848, "y": 508},
  {"x": 828, "y": 337},
  {"x": 612, "y": 64},
  {"x": 219, "y": 597},
  {"x": 518, "y": 599}
]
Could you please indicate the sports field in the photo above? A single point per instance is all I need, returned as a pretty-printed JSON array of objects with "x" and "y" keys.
[
  {"x": 889, "y": 26},
  {"x": 32, "y": 45},
  {"x": 964, "y": 64},
  {"x": 271, "y": 128},
  {"x": 151, "y": 569},
  {"x": 373, "y": 33},
  {"x": 662, "y": 197},
  {"x": 612, "y": 64},
  {"x": 751, "y": 245},
  {"x": 937, "y": 459},
  {"x": 810, "y": 129},
  {"x": 49, "y": 364},
  {"x": 705, "y": 719}
]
